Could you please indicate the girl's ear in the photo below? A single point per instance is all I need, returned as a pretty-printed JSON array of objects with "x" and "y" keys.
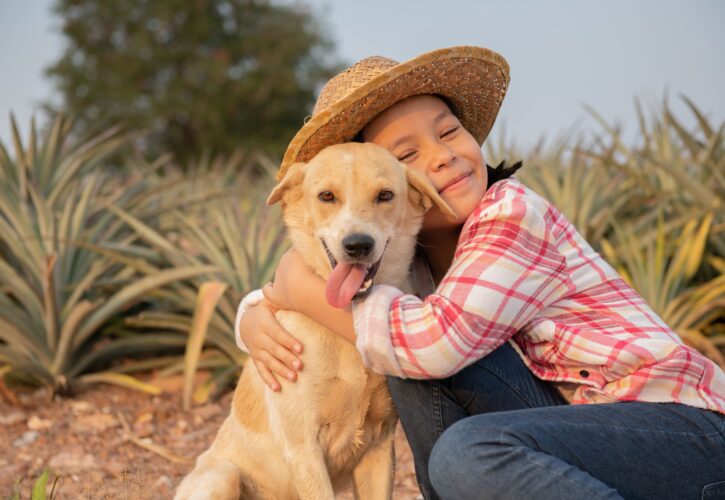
[
  {"x": 423, "y": 195},
  {"x": 291, "y": 179}
]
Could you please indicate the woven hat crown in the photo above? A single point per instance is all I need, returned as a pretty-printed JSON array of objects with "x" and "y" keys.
[
  {"x": 472, "y": 81},
  {"x": 352, "y": 78}
]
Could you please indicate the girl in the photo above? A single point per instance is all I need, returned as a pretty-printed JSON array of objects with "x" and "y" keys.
[{"x": 529, "y": 368}]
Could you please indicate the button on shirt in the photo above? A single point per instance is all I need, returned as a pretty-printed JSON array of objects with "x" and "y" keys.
[{"x": 523, "y": 274}]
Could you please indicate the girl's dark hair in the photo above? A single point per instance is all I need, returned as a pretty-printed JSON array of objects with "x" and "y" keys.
[{"x": 501, "y": 172}]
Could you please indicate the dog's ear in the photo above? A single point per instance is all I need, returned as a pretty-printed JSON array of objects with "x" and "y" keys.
[
  {"x": 291, "y": 179},
  {"x": 423, "y": 195}
]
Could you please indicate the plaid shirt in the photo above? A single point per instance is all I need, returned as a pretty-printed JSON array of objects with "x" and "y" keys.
[{"x": 523, "y": 274}]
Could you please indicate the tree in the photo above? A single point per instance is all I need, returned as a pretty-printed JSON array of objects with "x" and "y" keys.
[{"x": 196, "y": 75}]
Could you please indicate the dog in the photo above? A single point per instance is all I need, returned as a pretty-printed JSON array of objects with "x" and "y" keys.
[{"x": 352, "y": 213}]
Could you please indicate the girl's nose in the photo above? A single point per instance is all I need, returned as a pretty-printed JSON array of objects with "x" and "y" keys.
[{"x": 442, "y": 156}]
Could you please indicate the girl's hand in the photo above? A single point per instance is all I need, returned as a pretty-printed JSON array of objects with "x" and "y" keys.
[{"x": 270, "y": 346}]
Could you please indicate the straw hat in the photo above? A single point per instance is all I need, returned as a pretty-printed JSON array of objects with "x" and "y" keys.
[{"x": 473, "y": 80}]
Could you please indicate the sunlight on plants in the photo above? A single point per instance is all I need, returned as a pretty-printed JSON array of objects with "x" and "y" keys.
[{"x": 110, "y": 270}]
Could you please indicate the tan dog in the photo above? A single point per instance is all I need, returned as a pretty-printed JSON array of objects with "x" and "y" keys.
[{"x": 353, "y": 213}]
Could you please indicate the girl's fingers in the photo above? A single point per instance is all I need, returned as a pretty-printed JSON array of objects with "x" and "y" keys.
[
  {"x": 267, "y": 376},
  {"x": 285, "y": 341},
  {"x": 282, "y": 354},
  {"x": 282, "y": 336},
  {"x": 277, "y": 368}
]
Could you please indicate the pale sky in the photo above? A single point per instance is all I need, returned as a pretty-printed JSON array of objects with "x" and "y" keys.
[{"x": 563, "y": 54}]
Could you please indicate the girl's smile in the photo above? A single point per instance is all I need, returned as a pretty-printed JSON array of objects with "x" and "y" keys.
[{"x": 457, "y": 182}]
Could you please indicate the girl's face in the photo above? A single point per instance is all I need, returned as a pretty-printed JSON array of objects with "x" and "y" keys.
[{"x": 422, "y": 132}]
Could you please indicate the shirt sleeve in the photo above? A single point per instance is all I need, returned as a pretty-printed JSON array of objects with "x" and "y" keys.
[
  {"x": 251, "y": 299},
  {"x": 370, "y": 318},
  {"x": 506, "y": 269}
]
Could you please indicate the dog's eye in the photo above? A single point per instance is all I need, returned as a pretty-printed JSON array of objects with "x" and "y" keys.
[
  {"x": 326, "y": 197},
  {"x": 385, "y": 195}
]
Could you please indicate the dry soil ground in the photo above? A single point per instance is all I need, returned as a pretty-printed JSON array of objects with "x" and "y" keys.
[{"x": 111, "y": 442}]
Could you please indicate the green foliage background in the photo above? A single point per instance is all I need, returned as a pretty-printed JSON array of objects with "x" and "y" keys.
[
  {"x": 203, "y": 75},
  {"x": 104, "y": 276}
]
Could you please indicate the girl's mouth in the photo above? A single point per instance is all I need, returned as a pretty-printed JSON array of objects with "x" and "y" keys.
[{"x": 457, "y": 182}]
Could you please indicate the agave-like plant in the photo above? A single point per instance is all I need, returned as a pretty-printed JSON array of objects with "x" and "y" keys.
[
  {"x": 679, "y": 171},
  {"x": 236, "y": 234},
  {"x": 57, "y": 293}
]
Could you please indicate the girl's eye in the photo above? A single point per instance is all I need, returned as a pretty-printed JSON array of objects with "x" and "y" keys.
[
  {"x": 385, "y": 195},
  {"x": 326, "y": 197},
  {"x": 449, "y": 131},
  {"x": 407, "y": 156}
]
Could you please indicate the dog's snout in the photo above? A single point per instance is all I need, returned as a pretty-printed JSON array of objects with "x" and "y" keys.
[{"x": 358, "y": 245}]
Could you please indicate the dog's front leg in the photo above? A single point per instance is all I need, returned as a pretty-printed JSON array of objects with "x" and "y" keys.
[
  {"x": 298, "y": 419},
  {"x": 309, "y": 472},
  {"x": 213, "y": 478},
  {"x": 373, "y": 476}
]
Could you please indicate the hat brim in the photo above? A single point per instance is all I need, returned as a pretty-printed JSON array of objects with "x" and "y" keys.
[{"x": 473, "y": 80}]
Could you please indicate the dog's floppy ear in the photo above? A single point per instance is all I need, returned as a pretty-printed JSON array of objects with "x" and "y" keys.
[
  {"x": 291, "y": 179},
  {"x": 423, "y": 194}
]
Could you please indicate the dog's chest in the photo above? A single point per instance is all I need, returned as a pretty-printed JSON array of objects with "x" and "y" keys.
[
  {"x": 355, "y": 425},
  {"x": 353, "y": 402}
]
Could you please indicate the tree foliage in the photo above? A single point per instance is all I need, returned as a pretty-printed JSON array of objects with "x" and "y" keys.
[{"x": 196, "y": 75}]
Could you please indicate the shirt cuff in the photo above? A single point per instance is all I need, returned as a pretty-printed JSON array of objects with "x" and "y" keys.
[
  {"x": 372, "y": 328},
  {"x": 251, "y": 299}
]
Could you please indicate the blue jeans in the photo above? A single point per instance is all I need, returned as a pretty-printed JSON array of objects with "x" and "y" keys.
[{"x": 493, "y": 430}]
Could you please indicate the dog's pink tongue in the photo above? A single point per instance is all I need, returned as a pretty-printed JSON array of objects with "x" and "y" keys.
[{"x": 343, "y": 283}]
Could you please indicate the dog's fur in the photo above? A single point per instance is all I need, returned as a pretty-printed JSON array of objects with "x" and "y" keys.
[{"x": 336, "y": 423}]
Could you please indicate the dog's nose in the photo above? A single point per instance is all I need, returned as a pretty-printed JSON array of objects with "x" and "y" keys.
[{"x": 358, "y": 245}]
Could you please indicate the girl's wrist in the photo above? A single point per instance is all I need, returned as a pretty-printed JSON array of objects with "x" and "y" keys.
[{"x": 251, "y": 299}]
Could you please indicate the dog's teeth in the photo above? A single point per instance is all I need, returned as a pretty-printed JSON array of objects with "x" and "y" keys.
[{"x": 330, "y": 257}]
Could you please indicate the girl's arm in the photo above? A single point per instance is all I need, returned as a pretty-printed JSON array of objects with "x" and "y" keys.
[
  {"x": 297, "y": 288},
  {"x": 506, "y": 269}
]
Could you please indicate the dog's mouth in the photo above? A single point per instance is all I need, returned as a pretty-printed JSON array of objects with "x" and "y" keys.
[{"x": 349, "y": 281}]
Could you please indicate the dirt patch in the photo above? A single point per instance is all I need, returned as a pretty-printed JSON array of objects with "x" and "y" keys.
[{"x": 111, "y": 442}]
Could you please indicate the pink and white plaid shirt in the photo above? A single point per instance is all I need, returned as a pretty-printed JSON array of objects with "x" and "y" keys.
[{"x": 523, "y": 274}]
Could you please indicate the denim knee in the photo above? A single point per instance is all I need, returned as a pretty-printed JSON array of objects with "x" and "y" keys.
[
  {"x": 452, "y": 462},
  {"x": 466, "y": 458},
  {"x": 487, "y": 456}
]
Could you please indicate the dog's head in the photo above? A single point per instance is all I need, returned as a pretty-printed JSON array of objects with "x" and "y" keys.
[{"x": 353, "y": 213}]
